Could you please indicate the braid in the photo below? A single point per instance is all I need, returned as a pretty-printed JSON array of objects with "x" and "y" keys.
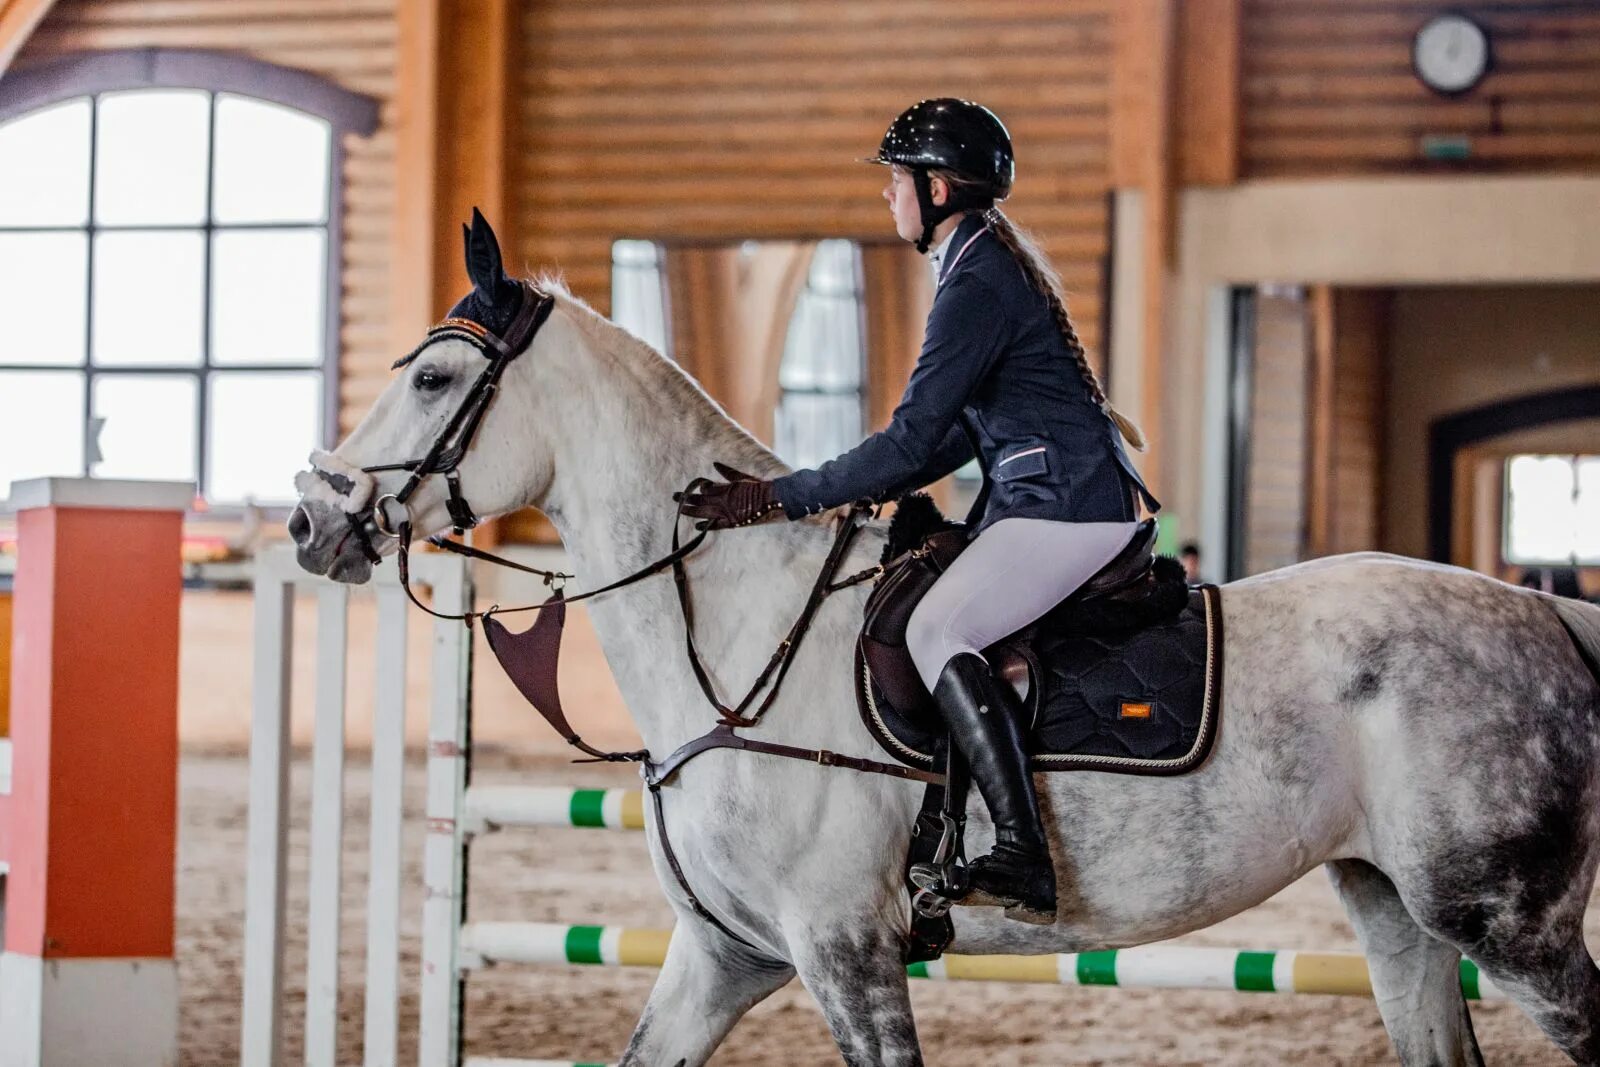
[{"x": 1044, "y": 280}]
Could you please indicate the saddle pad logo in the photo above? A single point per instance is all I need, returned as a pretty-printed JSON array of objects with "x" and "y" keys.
[{"x": 1135, "y": 711}]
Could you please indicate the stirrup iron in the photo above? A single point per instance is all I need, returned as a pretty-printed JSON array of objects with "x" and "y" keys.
[{"x": 942, "y": 881}]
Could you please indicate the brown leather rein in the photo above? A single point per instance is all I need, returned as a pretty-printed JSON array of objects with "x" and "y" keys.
[{"x": 530, "y": 660}]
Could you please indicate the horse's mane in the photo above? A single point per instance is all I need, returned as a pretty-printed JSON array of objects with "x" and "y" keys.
[
  {"x": 662, "y": 378},
  {"x": 676, "y": 389}
]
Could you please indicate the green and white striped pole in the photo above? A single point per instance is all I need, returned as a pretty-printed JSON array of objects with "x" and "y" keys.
[{"x": 496, "y": 806}]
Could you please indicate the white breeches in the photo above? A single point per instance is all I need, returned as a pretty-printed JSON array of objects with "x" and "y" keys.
[{"x": 1014, "y": 572}]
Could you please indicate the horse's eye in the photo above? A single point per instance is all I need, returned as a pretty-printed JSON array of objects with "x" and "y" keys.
[{"x": 429, "y": 381}]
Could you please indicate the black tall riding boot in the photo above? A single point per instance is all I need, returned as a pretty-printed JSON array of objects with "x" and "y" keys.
[{"x": 984, "y": 723}]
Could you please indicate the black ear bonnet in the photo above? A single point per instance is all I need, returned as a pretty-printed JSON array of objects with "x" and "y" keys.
[
  {"x": 494, "y": 298},
  {"x": 491, "y": 307}
]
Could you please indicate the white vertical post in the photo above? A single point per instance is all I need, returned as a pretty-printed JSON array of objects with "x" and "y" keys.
[
  {"x": 261, "y": 1038},
  {"x": 388, "y": 798},
  {"x": 444, "y": 850},
  {"x": 327, "y": 830}
]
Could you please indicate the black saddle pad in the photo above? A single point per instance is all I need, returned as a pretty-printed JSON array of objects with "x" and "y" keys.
[{"x": 1143, "y": 701}]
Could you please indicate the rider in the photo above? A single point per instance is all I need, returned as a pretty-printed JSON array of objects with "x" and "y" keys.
[{"x": 1002, "y": 376}]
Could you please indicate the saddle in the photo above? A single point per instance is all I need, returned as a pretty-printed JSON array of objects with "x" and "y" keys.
[{"x": 1124, "y": 675}]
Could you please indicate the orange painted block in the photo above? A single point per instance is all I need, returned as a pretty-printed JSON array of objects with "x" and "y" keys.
[{"x": 92, "y": 831}]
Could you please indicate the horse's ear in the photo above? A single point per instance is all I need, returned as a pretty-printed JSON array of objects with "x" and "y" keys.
[{"x": 484, "y": 266}]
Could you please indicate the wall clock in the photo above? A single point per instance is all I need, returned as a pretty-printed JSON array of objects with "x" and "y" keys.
[{"x": 1451, "y": 54}]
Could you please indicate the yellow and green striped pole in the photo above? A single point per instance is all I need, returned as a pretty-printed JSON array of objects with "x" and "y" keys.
[{"x": 1146, "y": 967}]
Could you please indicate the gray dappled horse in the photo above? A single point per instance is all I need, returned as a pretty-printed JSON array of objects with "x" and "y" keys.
[{"x": 1428, "y": 734}]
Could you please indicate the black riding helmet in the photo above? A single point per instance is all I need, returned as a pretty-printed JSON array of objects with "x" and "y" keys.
[{"x": 955, "y": 135}]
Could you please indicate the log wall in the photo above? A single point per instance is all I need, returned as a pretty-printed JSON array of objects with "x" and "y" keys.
[
  {"x": 725, "y": 120},
  {"x": 1328, "y": 88}
]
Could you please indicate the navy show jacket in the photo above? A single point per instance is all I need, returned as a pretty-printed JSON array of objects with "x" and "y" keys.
[{"x": 995, "y": 380}]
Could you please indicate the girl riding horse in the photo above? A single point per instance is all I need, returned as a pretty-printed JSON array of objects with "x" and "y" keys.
[{"x": 1003, "y": 377}]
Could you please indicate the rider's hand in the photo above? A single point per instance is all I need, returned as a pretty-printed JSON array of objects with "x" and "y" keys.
[{"x": 741, "y": 500}]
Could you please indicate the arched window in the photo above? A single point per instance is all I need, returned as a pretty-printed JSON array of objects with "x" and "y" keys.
[
  {"x": 639, "y": 292},
  {"x": 169, "y": 254},
  {"x": 821, "y": 380}
]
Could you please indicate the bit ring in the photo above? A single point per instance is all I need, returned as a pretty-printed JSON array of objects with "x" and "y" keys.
[{"x": 380, "y": 518}]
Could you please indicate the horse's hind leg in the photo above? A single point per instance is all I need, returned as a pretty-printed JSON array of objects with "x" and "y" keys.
[
  {"x": 1547, "y": 971},
  {"x": 859, "y": 982},
  {"x": 1416, "y": 978},
  {"x": 1560, "y": 992},
  {"x": 707, "y": 983},
  {"x": 1517, "y": 912}
]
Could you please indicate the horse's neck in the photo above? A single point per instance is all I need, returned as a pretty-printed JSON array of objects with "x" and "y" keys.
[{"x": 620, "y": 455}]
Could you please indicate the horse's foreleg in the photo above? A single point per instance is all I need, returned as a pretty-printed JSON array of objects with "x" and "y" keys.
[
  {"x": 1416, "y": 978},
  {"x": 859, "y": 982},
  {"x": 707, "y": 983}
]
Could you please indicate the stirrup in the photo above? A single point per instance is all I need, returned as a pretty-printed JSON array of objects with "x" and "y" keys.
[{"x": 943, "y": 881}]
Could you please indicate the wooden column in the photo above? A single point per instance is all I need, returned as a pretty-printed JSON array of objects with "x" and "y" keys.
[
  {"x": 899, "y": 292},
  {"x": 452, "y": 113},
  {"x": 1143, "y": 82},
  {"x": 18, "y": 19},
  {"x": 1209, "y": 45},
  {"x": 473, "y": 131},
  {"x": 1320, "y": 496},
  {"x": 452, "y": 108}
]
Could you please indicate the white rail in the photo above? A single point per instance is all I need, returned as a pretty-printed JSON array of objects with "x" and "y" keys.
[{"x": 277, "y": 578}]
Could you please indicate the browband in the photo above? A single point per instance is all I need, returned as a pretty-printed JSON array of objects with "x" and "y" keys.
[{"x": 535, "y": 308}]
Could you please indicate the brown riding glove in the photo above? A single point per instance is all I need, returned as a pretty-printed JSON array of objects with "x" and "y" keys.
[{"x": 741, "y": 500}]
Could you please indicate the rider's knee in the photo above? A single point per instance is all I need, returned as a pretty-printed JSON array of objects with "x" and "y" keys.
[{"x": 925, "y": 639}]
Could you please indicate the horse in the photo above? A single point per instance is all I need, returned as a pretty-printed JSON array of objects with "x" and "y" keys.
[{"x": 1428, "y": 734}]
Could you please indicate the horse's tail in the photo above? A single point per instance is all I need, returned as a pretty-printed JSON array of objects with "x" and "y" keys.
[{"x": 1582, "y": 623}]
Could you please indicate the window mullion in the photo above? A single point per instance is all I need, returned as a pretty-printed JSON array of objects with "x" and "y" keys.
[
  {"x": 89, "y": 442},
  {"x": 202, "y": 406}
]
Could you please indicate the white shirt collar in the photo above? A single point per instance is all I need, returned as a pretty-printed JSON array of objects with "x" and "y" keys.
[{"x": 936, "y": 257}]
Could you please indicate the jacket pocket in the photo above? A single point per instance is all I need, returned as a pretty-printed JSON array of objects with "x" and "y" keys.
[{"x": 1029, "y": 463}]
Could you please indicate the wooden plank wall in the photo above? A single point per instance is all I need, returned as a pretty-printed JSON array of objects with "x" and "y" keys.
[
  {"x": 1328, "y": 88},
  {"x": 351, "y": 42},
  {"x": 725, "y": 120}
]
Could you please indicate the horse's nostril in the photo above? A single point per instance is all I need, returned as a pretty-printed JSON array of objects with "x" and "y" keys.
[{"x": 300, "y": 528}]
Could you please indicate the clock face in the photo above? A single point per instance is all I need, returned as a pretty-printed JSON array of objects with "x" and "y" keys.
[{"x": 1451, "y": 54}]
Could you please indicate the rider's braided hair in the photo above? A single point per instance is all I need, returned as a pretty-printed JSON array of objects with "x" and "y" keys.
[{"x": 1045, "y": 281}]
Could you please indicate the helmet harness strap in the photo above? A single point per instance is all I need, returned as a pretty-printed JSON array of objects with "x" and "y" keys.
[
  {"x": 957, "y": 199},
  {"x": 932, "y": 214}
]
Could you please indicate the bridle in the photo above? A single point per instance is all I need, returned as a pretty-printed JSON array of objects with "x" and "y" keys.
[{"x": 444, "y": 456}]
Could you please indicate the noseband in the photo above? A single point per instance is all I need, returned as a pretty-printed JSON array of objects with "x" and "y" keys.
[{"x": 453, "y": 442}]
